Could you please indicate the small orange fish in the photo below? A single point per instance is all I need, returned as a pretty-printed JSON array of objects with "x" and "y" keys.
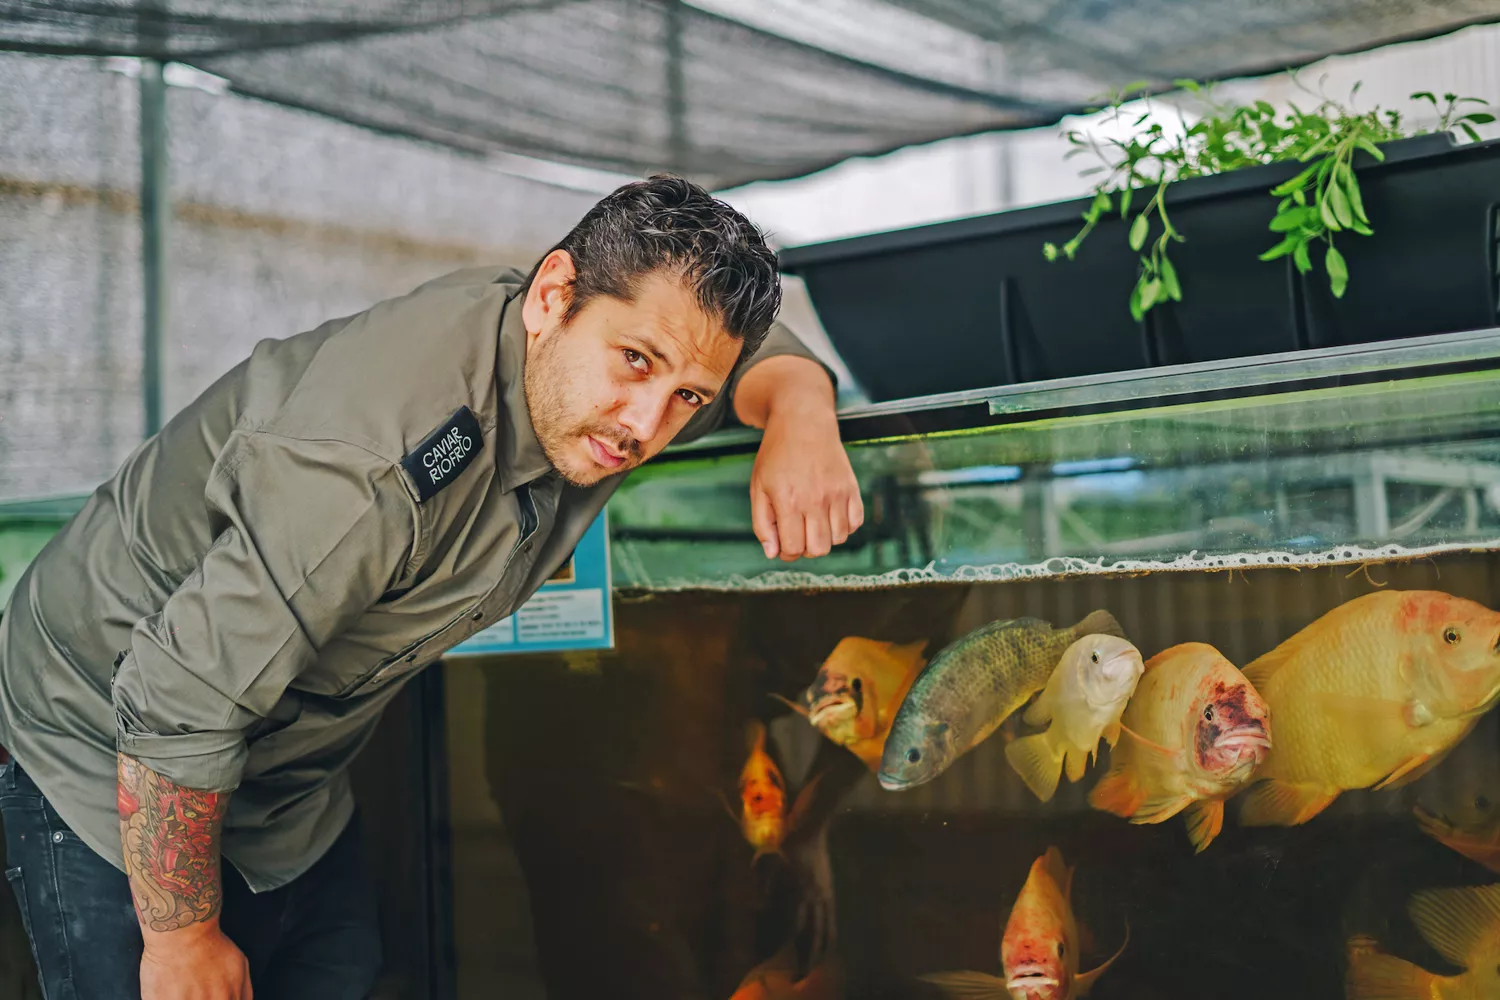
[
  {"x": 1195, "y": 731},
  {"x": 1039, "y": 949},
  {"x": 1462, "y": 924},
  {"x": 776, "y": 979},
  {"x": 1373, "y": 694},
  {"x": 857, "y": 691},
  {"x": 763, "y": 815}
]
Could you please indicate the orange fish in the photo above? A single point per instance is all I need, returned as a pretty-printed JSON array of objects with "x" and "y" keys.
[
  {"x": 1195, "y": 731},
  {"x": 1373, "y": 694},
  {"x": 856, "y": 693},
  {"x": 1462, "y": 924},
  {"x": 776, "y": 979},
  {"x": 1478, "y": 841},
  {"x": 763, "y": 815},
  {"x": 1039, "y": 949}
]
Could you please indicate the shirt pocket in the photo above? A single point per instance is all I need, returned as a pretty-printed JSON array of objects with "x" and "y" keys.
[{"x": 411, "y": 659}]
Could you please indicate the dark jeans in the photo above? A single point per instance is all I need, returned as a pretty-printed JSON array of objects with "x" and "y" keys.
[{"x": 317, "y": 937}]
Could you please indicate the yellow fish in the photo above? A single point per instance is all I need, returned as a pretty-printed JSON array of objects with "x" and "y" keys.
[
  {"x": 1039, "y": 948},
  {"x": 763, "y": 815},
  {"x": 1373, "y": 694},
  {"x": 856, "y": 693},
  {"x": 1195, "y": 731},
  {"x": 1476, "y": 839},
  {"x": 1462, "y": 924},
  {"x": 1081, "y": 703},
  {"x": 776, "y": 979}
]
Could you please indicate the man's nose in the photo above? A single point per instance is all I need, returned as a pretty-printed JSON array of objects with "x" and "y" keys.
[{"x": 645, "y": 412}]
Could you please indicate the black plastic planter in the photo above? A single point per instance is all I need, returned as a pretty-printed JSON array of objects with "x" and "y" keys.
[{"x": 972, "y": 303}]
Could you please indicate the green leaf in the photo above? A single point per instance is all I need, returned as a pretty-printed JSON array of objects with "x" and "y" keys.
[
  {"x": 1151, "y": 294},
  {"x": 1369, "y": 147},
  {"x": 1301, "y": 258},
  {"x": 1299, "y": 196},
  {"x": 1049, "y": 250},
  {"x": 1125, "y": 198},
  {"x": 1136, "y": 312},
  {"x": 1101, "y": 203},
  {"x": 1192, "y": 85},
  {"x": 1169, "y": 279},
  {"x": 1478, "y": 118},
  {"x": 1295, "y": 184},
  {"x": 1325, "y": 210},
  {"x": 1264, "y": 108},
  {"x": 1356, "y": 200},
  {"x": 1294, "y": 219},
  {"x": 1425, "y": 95},
  {"x": 1469, "y": 131},
  {"x": 1139, "y": 229},
  {"x": 1338, "y": 272},
  {"x": 1281, "y": 249},
  {"x": 1334, "y": 193},
  {"x": 1361, "y": 229}
]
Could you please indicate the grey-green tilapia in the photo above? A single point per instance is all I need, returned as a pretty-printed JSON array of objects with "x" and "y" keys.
[{"x": 972, "y": 686}]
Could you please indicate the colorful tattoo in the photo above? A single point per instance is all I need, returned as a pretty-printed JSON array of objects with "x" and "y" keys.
[{"x": 171, "y": 840}]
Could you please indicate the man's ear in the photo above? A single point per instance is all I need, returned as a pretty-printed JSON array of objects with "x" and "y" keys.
[{"x": 547, "y": 298}]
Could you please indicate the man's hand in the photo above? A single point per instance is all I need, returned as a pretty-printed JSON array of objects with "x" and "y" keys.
[
  {"x": 803, "y": 494},
  {"x": 170, "y": 837},
  {"x": 196, "y": 963}
]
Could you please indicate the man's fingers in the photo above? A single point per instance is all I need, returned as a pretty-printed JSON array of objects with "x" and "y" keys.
[
  {"x": 838, "y": 522},
  {"x": 763, "y": 520},
  {"x": 818, "y": 532},
  {"x": 790, "y": 531},
  {"x": 856, "y": 512}
]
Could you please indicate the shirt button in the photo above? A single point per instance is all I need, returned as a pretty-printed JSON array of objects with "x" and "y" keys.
[
  {"x": 477, "y": 615},
  {"x": 412, "y": 658},
  {"x": 57, "y": 838}
]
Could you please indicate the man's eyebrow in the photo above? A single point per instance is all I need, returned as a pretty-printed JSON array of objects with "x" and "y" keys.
[{"x": 651, "y": 348}]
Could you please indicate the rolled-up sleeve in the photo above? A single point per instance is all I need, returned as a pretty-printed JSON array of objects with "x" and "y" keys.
[
  {"x": 779, "y": 341},
  {"x": 309, "y": 534}
]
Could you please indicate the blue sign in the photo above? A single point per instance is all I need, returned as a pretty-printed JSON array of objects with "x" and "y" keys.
[{"x": 570, "y": 611}]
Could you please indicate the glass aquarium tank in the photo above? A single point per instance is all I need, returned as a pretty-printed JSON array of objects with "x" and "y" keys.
[{"x": 1164, "y": 685}]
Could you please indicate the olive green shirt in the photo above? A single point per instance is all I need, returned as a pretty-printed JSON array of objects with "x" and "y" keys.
[{"x": 237, "y": 605}]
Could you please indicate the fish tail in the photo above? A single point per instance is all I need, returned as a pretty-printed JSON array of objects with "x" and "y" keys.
[
  {"x": 1118, "y": 792},
  {"x": 1039, "y": 761},
  {"x": 755, "y": 736},
  {"x": 1377, "y": 976},
  {"x": 1099, "y": 622}
]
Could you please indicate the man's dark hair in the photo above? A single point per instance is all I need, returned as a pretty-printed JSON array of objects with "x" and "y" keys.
[{"x": 672, "y": 225}]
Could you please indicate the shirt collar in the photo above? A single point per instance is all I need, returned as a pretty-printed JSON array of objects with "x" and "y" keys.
[{"x": 520, "y": 458}]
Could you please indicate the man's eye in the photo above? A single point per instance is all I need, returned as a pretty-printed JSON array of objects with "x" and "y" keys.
[
  {"x": 636, "y": 360},
  {"x": 690, "y": 397}
]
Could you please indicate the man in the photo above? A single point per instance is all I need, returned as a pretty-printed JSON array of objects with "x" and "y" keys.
[{"x": 190, "y": 665}]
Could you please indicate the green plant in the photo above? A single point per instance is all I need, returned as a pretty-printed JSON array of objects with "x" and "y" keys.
[{"x": 1322, "y": 200}]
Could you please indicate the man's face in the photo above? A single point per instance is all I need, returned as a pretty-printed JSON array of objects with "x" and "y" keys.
[{"x": 613, "y": 386}]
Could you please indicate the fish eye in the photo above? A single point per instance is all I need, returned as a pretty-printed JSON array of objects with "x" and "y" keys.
[
  {"x": 1061, "y": 949},
  {"x": 913, "y": 755},
  {"x": 856, "y": 685},
  {"x": 1452, "y": 636},
  {"x": 1208, "y": 713},
  {"x": 1094, "y": 656}
]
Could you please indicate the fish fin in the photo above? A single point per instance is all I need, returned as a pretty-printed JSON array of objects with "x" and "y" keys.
[
  {"x": 1039, "y": 712},
  {"x": 1205, "y": 818},
  {"x": 1413, "y": 769},
  {"x": 803, "y": 802},
  {"x": 1479, "y": 849},
  {"x": 1075, "y": 762},
  {"x": 1099, "y": 622},
  {"x": 910, "y": 652},
  {"x": 1455, "y": 921},
  {"x": 1085, "y": 981},
  {"x": 755, "y": 736},
  {"x": 1057, "y": 870},
  {"x": 1374, "y": 975},
  {"x": 789, "y": 703},
  {"x": 1260, "y": 670},
  {"x": 1038, "y": 760},
  {"x": 1284, "y": 803},
  {"x": 724, "y": 801},
  {"x": 1118, "y": 792},
  {"x": 1111, "y": 733},
  {"x": 968, "y": 985}
]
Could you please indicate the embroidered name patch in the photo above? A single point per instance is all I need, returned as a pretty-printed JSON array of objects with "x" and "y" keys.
[{"x": 444, "y": 453}]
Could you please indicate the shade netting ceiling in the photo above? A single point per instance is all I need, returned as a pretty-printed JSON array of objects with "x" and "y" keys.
[{"x": 726, "y": 91}]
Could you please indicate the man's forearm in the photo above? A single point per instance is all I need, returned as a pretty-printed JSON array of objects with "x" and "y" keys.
[
  {"x": 787, "y": 381},
  {"x": 170, "y": 835}
]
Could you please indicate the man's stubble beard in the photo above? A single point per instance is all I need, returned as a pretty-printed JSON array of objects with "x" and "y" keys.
[{"x": 546, "y": 383}]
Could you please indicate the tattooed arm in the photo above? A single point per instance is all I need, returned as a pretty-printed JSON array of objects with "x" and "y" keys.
[{"x": 170, "y": 835}]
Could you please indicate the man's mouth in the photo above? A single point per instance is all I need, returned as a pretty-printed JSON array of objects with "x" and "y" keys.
[{"x": 604, "y": 454}]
